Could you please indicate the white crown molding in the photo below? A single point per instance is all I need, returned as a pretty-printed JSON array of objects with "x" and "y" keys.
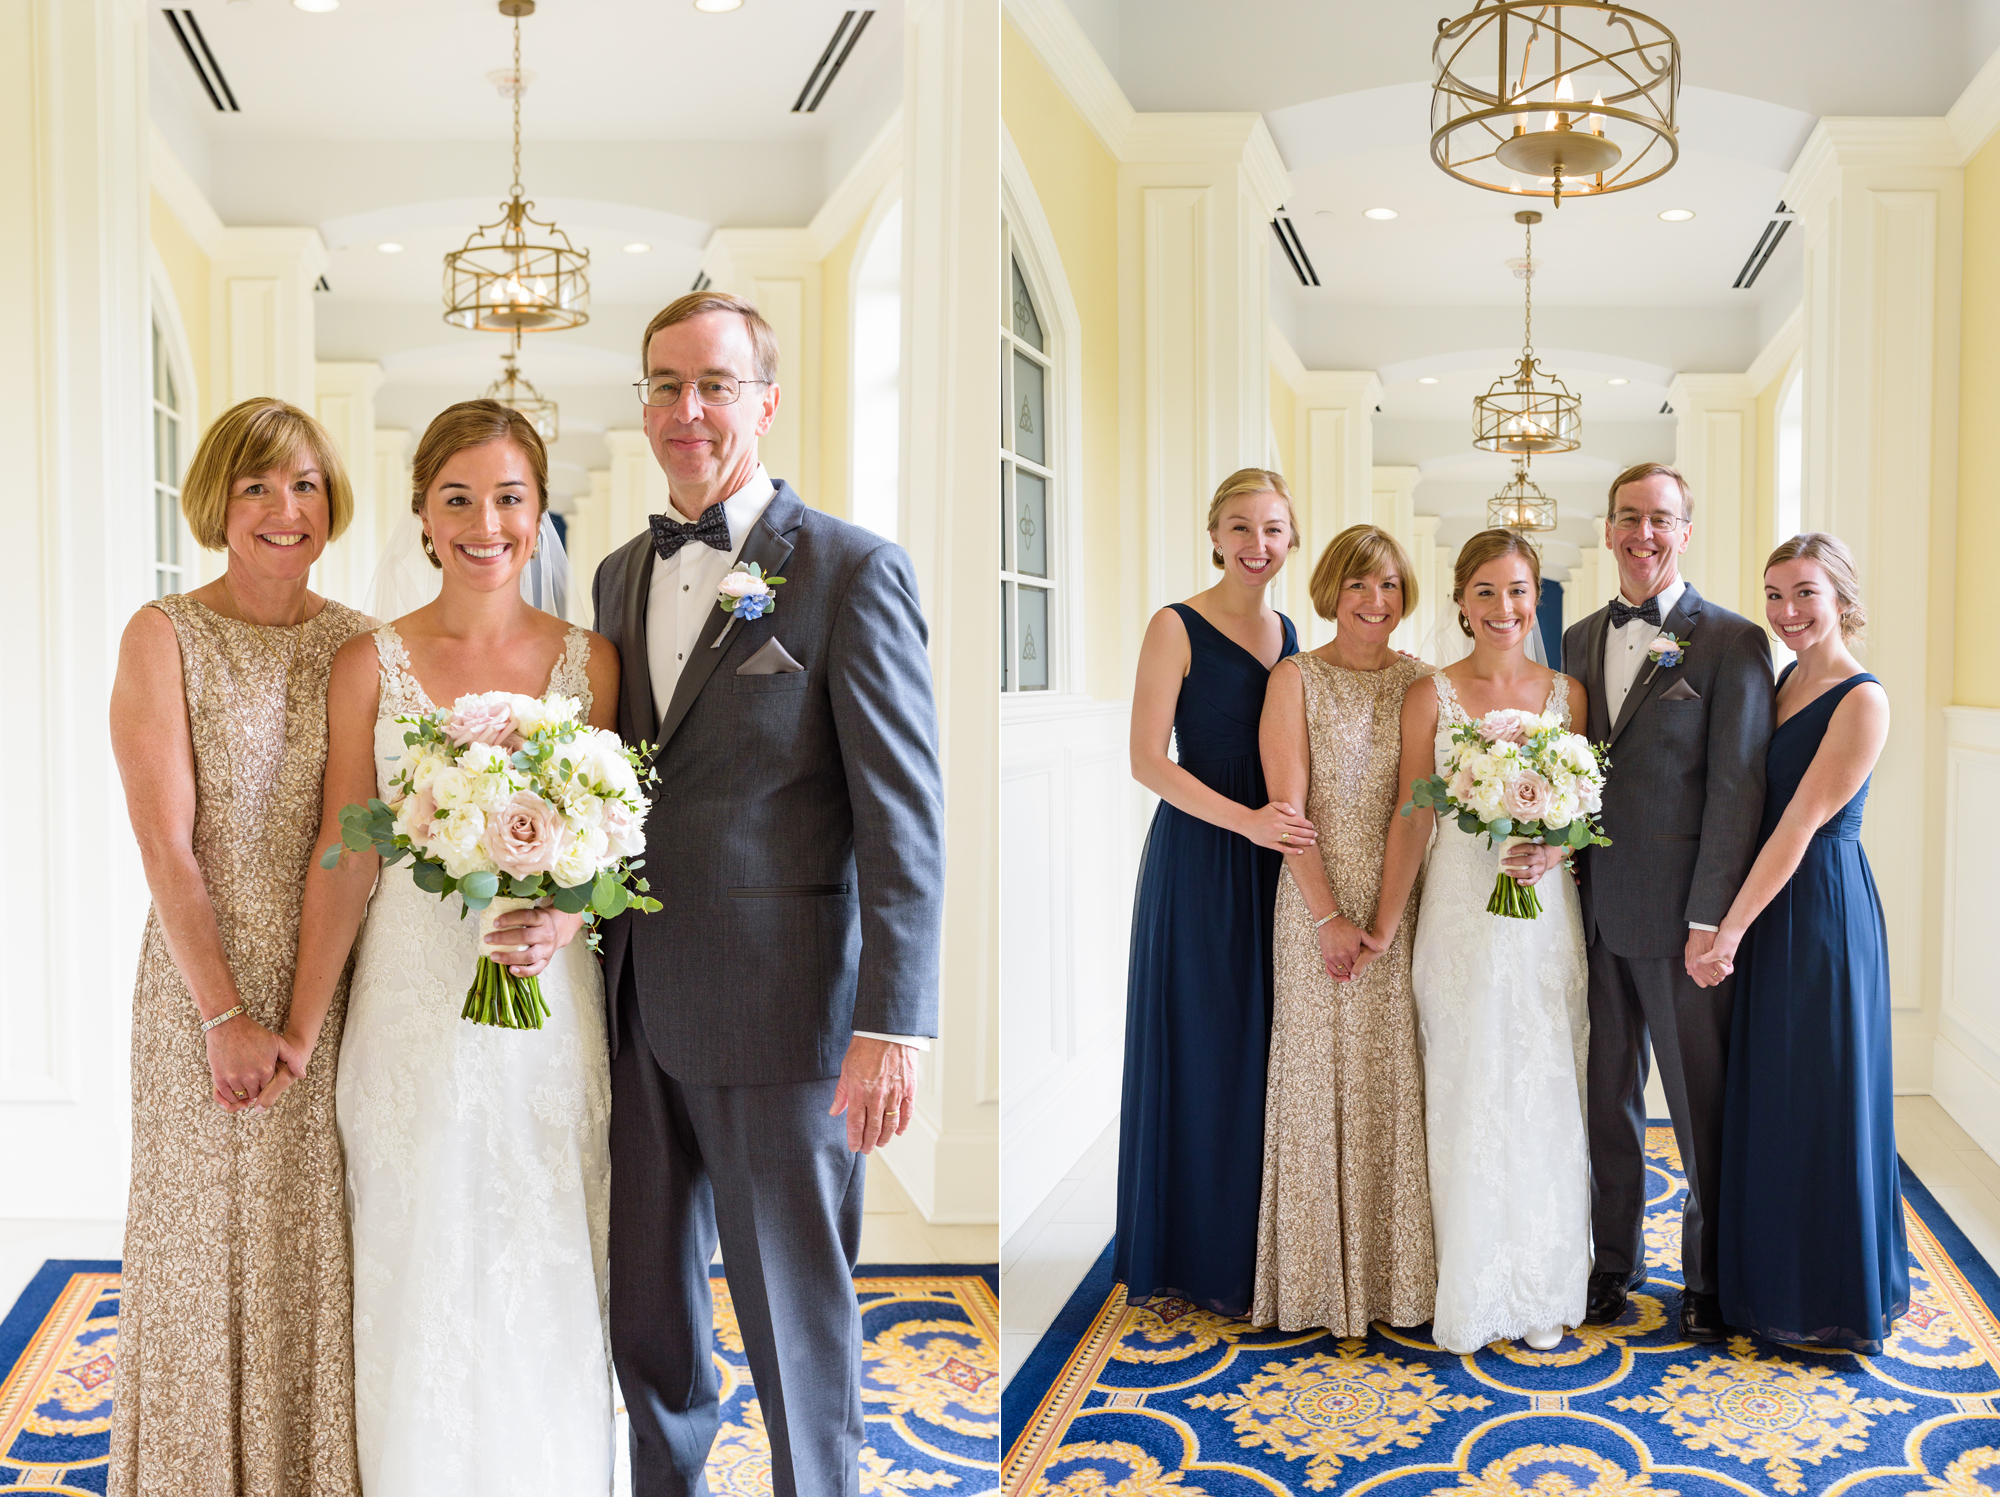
[
  {"x": 183, "y": 198},
  {"x": 1340, "y": 389},
  {"x": 1285, "y": 360},
  {"x": 1839, "y": 143},
  {"x": 1057, "y": 39},
  {"x": 1776, "y": 356},
  {"x": 1975, "y": 116},
  {"x": 855, "y": 196},
  {"x": 1975, "y": 728}
]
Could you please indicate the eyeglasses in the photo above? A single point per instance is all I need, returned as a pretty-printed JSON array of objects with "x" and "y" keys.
[
  {"x": 1625, "y": 522},
  {"x": 710, "y": 389}
]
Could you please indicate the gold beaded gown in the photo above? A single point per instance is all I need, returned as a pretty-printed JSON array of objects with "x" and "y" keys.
[
  {"x": 1344, "y": 1229},
  {"x": 235, "y": 1367}
]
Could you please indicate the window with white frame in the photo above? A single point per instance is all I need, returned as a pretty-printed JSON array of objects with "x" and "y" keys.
[
  {"x": 1028, "y": 559},
  {"x": 171, "y": 543}
]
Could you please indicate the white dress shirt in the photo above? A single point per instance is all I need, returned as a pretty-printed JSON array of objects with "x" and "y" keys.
[
  {"x": 1625, "y": 653},
  {"x": 684, "y": 594}
]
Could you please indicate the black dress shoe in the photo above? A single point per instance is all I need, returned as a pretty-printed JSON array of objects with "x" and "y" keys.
[
  {"x": 1606, "y": 1301},
  {"x": 1701, "y": 1318}
]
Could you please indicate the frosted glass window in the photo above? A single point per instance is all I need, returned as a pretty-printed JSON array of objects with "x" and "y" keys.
[
  {"x": 170, "y": 542},
  {"x": 1030, "y": 560}
]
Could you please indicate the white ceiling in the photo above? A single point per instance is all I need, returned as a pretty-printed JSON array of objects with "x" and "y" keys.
[{"x": 645, "y": 122}]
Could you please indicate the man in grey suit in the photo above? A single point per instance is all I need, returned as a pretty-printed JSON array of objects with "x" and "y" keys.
[
  {"x": 796, "y": 842},
  {"x": 1681, "y": 806}
]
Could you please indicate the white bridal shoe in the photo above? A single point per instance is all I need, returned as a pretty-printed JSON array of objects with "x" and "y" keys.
[{"x": 1544, "y": 1340}]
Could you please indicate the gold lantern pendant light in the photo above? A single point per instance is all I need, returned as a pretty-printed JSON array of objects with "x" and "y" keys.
[
  {"x": 1521, "y": 505},
  {"x": 1530, "y": 410},
  {"x": 513, "y": 389},
  {"x": 1507, "y": 111},
  {"x": 518, "y": 273}
]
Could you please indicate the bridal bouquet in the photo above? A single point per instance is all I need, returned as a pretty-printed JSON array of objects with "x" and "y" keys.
[
  {"x": 1523, "y": 777},
  {"x": 508, "y": 802}
]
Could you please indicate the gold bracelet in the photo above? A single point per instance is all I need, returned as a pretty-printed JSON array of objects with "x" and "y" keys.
[{"x": 222, "y": 1018}]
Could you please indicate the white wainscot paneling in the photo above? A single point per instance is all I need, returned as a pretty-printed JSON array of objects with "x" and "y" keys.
[
  {"x": 1072, "y": 822},
  {"x": 1965, "y": 1075}
]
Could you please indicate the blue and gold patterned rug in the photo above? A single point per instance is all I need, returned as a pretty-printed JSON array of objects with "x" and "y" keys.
[
  {"x": 1169, "y": 1401},
  {"x": 929, "y": 1383}
]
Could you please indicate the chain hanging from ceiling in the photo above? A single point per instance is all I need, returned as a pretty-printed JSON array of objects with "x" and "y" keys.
[
  {"x": 1507, "y": 111},
  {"x": 513, "y": 389},
  {"x": 1521, "y": 505},
  {"x": 1529, "y": 410},
  {"x": 518, "y": 273}
]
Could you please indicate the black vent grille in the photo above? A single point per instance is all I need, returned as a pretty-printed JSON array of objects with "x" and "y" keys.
[
  {"x": 1295, "y": 248},
  {"x": 845, "y": 35},
  {"x": 187, "y": 31},
  {"x": 1767, "y": 244}
]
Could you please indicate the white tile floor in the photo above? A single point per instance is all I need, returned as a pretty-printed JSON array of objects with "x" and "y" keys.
[{"x": 1044, "y": 1261}]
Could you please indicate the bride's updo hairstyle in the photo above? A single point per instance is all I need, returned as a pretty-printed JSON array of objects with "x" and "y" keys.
[
  {"x": 1250, "y": 481},
  {"x": 1832, "y": 556},
  {"x": 474, "y": 423},
  {"x": 1360, "y": 551},
  {"x": 1488, "y": 546}
]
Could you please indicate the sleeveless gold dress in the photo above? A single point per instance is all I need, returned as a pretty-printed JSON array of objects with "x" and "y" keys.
[
  {"x": 235, "y": 1369},
  {"x": 1344, "y": 1233}
]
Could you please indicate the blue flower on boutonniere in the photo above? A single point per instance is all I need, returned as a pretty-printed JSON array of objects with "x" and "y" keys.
[
  {"x": 1665, "y": 651},
  {"x": 746, "y": 594}
]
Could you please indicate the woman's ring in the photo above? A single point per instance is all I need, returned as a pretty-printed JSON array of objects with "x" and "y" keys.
[
  {"x": 241, "y": 1095},
  {"x": 1284, "y": 836}
]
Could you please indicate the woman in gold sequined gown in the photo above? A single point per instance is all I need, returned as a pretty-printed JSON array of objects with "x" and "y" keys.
[
  {"x": 235, "y": 1346},
  {"x": 1344, "y": 1231}
]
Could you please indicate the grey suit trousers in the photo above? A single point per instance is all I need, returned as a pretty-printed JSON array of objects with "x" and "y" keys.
[
  {"x": 768, "y": 1171},
  {"x": 1631, "y": 999}
]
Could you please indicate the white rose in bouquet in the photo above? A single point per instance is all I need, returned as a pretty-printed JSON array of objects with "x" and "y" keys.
[
  {"x": 456, "y": 840},
  {"x": 581, "y": 858}
]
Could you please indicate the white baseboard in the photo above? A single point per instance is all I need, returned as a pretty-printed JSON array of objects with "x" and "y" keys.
[{"x": 1967, "y": 1091}]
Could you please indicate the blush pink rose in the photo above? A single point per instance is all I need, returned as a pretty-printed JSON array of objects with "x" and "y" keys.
[
  {"x": 1461, "y": 787},
  {"x": 420, "y": 815},
  {"x": 523, "y": 835},
  {"x": 1502, "y": 726},
  {"x": 481, "y": 722},
  {"x": 1526, "y": 796},
  {"x": 623, "y": 831}
]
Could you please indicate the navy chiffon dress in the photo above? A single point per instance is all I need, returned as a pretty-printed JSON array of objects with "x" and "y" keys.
[
  {"x": 1198, "y": 1005},
  {"x": 1811, "y": 1213}
]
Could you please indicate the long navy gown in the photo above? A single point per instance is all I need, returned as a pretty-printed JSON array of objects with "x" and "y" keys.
[
  {"x": 1198, "y": 1005},
  {"x": 1811, "y": 1215}
]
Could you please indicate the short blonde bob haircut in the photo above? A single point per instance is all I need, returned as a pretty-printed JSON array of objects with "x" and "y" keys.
[
  {"x": 1833, "y": 558},
  {"x": 474, "y": 423},
  {"x": 1484, "y": 548},
  {"x": 254, "y": 437},
  {"x": 1360, "y": 551},
  {"x": 1250, "y": 481},
  {"x": 763, "y": 341}
]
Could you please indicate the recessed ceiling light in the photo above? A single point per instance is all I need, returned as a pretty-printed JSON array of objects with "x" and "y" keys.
[
  {"x": 715, "y": 5},
  {"x": 637, "y": 249},
  {"x": 315, "y": 5},
  {"x": 1427, "y": 379},
  {"x": 1380, "y": 214},
  {"x": 1618, "y": 382},
  {"x": 390, "y": 248},
  {"x": 1678, "y": 215}
]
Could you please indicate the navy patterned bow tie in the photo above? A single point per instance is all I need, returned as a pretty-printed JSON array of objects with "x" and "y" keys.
[
  {"x": 1622, "y": 613},
  {"x": 669, "y": 534}
]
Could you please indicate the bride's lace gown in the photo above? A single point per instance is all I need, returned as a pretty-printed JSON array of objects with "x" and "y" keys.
[
  {"x": 478, "y": 1167},
  {"x": 1503, "y": 1017}
]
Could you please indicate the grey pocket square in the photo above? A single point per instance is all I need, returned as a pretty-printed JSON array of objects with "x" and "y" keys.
[
  {"x": 1680, "y": 691},
  {"x": 772, "y": 660}
]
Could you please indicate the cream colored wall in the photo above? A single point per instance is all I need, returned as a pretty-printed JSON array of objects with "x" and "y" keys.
[
  {"x": 1285, "y": 424},
  {"x": 1076, "y": 180},
  {"x": 188, "y": 271},
  {"x": 1976, "y": 672},
  {"x": 836, "y": 344}
]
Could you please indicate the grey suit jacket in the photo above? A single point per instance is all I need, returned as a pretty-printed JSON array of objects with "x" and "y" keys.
[
  {"x": 796, "y": 840},
  {"x": 1685, "y": 793}
]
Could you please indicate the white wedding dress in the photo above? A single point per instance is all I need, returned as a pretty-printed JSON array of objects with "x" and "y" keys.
[
  {"x": 1504, "y": 1024},
  {"x": 478, "y": 1168}
]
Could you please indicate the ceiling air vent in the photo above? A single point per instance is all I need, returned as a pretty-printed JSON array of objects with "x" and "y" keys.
[
  {"x": 1767, "y": 242},
  {"x": 206, "y": 68},
  {"x": 701, "y": 282},
  {"x": 1295, "y": 248},
  {"x": 845, "y": 35}
]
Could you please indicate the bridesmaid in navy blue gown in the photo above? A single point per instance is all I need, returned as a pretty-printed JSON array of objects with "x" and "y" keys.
[
  {"x": 1198, "y": 1001},
  {"x": 1811, "y": 1213}
]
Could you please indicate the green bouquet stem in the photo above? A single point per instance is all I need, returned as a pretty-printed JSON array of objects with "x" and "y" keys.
[
  {"x": 499, "y": 998},
  {"x": 1517, "y": 901}
]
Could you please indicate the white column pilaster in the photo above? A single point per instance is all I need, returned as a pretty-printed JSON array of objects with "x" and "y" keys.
[
  {"x": 779, "y": 270},
  {"x": 1879, "y": 205},
  {"x": 344, "y": 402},
  {"x": 261, "y": 315},
  {"x": 1715, "y": 447},
  {"x": 75, "y": 421},
  {"x": 1336, "y": 447},
  {"x": 1423, "y": 547},
  {"x": 949, "y": 1159}
]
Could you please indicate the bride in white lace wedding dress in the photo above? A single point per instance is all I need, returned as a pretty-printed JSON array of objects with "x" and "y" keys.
[
  {"x": 478, "y": 1159},
  {"x": 1502, "y": 1011}
]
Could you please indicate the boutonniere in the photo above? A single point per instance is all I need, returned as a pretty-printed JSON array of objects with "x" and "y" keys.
[
  {"x": 1664, "y": 651},
  {"x": 746, "y": 594}
]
